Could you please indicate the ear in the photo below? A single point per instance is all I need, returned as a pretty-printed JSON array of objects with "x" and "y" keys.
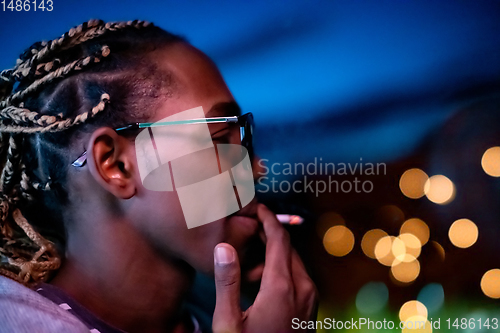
[{"x": 111, "y": 162}]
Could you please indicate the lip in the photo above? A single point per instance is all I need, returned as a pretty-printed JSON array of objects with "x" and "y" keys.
[{"x": 243, "y": 224}]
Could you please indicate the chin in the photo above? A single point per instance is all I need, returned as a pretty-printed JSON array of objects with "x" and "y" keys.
[{"x": 238, "y": 231}]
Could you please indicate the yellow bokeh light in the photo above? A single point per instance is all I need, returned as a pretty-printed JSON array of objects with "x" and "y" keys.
[
  {"x": 398, "y": 249},
  {"x": 412, "y": 245},
  {"x": 383, "y": 251},
  {"x": 412, "y": 183},
  {"x": 406, "y": 272},
  {"x": 411, "y": 309},
  {"x": 490, "y": 283},
  {"x": 328, "y": 220},
  {"x": 383, "y": 247},
  {"x": 406, "y": 258},
  {"x": 338, "y": 240},
  {"x": 370, "y": 240},
  {"x": 491, "y": 161},
  {"x": 417, "y": 324},
  {"x": 391, "y": 251},
  {"x": 439, "y": 189},
  {"x": 416, "y": 227},
  {"x": 463, "y": 233}
]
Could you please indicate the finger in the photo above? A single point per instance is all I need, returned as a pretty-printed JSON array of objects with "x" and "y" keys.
[
  {"x": 278, "y": 249},
  {"x": 305, "y": 290},
  {"x": 227, "y": 314},
  {"x": 269, "y": 221},
  {"x": 298, "y": 268},
  {"x": 255, "y": 274}
]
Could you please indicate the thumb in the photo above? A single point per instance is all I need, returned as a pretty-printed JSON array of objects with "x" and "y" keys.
[{"x": 227, "y": 315}]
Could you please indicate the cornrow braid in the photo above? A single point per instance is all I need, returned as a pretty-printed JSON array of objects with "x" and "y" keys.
[
  {"x": 110, "y": 26},
  {"x": 73, "y": 37},
  {"x": 41, "y": 50},
  {"x": 45, "y": 68},
  {"x": 49, "y": 124},
  {"x": 6, "y": 75},
  {"x": 20, "y": 115},
  {"x": 59, "y": 73}
]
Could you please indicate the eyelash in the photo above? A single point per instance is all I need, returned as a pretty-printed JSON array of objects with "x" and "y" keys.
[
  {"x": 221, "y": 138},
  {"x": 222, "y": 133}
]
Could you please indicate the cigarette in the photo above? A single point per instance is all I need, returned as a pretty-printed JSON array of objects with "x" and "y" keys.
[{"x": 289, "y": 219}]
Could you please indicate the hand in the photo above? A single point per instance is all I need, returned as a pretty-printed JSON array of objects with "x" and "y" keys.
[{"x": 286, "y": 291}]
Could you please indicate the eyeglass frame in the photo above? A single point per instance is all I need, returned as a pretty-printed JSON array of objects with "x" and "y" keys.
[{"x": 245, "y": 121}]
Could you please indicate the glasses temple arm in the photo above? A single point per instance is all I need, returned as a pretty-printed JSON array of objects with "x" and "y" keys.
[{"x": 186, "y": 122}]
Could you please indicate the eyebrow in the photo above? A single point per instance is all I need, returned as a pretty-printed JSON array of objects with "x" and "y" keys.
[{"x": 224, "y": 109}]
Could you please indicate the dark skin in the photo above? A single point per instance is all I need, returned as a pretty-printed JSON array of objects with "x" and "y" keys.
[{"x": 130, "y": 258}]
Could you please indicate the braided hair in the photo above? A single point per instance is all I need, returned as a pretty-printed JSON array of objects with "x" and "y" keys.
[{"x": 96, "y": 74}]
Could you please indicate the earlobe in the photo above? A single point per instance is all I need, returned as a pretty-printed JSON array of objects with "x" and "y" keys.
[{"x": 110, "y": 162}]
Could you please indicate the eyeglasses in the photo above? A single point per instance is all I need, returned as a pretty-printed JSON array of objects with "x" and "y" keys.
[{"x": 245, "y": 122}]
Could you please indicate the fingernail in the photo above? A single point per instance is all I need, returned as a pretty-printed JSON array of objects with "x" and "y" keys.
[{"x": 223, "y": 255}]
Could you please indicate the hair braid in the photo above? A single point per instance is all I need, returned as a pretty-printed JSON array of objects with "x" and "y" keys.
[
  {"x": 11, "y": 165},
  {"x": 99, "y": 30},
  {"x": 82, "y": 33},
  {"x": 58, "y": 73},
  {"x": 27, "y": 185},
  {"x": 34, "y": 267},
  {"x": 45, "y": 68},
  {"x": 6, "y": 75},
  {"x": 49, "y": 124},
  {"x": 25, "y": 116},
  {"x": 37, "y": 52},
  {"x": 28, "y": 266}
]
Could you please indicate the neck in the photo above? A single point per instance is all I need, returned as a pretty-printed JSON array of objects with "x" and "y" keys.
[{"x": 122, "y": 279}]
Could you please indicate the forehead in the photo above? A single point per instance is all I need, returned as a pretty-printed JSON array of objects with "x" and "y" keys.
[{"x": 196, "y": 80}]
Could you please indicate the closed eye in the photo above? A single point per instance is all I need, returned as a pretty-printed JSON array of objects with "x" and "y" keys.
[{"x": 222, "y": 137}]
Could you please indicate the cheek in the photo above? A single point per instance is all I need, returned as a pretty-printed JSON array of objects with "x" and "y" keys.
[
  {"x": 159, "y": 218},
  {"x": 199, "y": 244}
]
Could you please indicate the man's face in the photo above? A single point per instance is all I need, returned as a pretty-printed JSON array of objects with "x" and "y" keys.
[{"x": 158, "y": 215}]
